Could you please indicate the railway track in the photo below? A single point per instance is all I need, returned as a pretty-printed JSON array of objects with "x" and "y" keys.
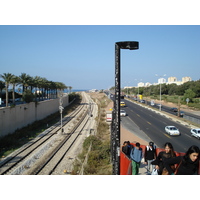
[
  {"x": 24, "y": 160},
  {"x": 61, "y": 152}
]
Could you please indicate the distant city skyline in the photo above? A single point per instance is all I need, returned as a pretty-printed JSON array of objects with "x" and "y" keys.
[{"x": 162, "y": 80}]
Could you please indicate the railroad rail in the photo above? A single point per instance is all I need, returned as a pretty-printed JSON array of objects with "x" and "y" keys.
[
  {"x": 22, "y": 159},
  {"x": 59, "y": 154}
]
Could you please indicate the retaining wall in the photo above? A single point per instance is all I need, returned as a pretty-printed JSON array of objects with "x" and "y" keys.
[
  {"x": 21, "y": 115},
  {"x": 192, "y": 119}
]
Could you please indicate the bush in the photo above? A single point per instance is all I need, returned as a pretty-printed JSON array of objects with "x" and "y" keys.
[{"x": 28, "y": 96}]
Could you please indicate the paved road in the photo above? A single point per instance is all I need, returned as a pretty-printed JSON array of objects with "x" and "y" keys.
[{"x": 153, "y": 124}]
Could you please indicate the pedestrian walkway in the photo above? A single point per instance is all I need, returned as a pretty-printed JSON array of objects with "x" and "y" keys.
[
  {"x": 126, "y": 135},
  {"x": 143, "y": 169}
]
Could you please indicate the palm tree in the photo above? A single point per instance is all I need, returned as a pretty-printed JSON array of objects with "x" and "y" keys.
[
  {"x": 31, "y": 83},
  {"x": 43, "y": 82},
  {"x": 70, "y": 89},
  {"x": 37, "y": 85},
  {"x": 60, "y": 86},
  {"x": 67, "y": 88},
  {"x": 53, "y": 89},
  {"x": 2, "y": 86},
  {"x": 14, "y": 81},
  {"x": 7, "y": 77},
  {"x": 24, "y": 80}
]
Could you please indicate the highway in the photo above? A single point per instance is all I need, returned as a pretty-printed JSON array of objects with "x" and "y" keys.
[
  {"x": 168, "y": 110},
  {"x": 153, "y": 124}
]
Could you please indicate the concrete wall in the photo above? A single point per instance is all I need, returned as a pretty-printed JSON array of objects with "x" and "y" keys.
[
  {"x": 192, "y": 119},
  {"x": 20, "y": 116}
]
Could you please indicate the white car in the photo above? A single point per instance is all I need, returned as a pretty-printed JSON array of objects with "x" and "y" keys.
[
  {"x": 196, "y": 133},
  {"x": 122, "y": 113},
  {"x": 172, "y": 130}
]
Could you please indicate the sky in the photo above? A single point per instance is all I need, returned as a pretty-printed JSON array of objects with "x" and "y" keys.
[
  {"x": 83, "y": 56},
  {"x": 81, "y": 52}
]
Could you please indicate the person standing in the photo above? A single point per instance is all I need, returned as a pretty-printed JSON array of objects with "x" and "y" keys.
[
  {"x": 136, "y": 157},
  {"x": 126, "y": 148},
  {"x": 163, "y": 156},
  {"x": 150, "y": 156},
  {"x": 187, "y": 164}
]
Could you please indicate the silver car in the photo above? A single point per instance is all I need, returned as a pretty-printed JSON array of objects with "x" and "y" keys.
[
  {"x": 172, "y": 130},
  {"x": 196, "y": 133}
]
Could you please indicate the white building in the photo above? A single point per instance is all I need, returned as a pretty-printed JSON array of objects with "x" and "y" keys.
[
  {"x": 172, "y": 80},
  {"x": 147, "y": 84},
  {"x": 140, "y": 84},
  {"x": 93, "y": 90},
  {"x": 186, "y": 79},
  {"x": 161, "y": 80}
]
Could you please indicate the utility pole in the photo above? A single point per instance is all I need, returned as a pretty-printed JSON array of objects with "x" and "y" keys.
[
  {"x": 61, "y": 110},
  {"x": 179, "y": 106}
]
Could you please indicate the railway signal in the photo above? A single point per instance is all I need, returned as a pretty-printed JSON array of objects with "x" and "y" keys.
[{"x": 61, "y": 111}]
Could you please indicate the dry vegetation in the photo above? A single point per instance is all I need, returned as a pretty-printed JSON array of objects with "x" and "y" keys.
[{"x": 96, "y": 148}]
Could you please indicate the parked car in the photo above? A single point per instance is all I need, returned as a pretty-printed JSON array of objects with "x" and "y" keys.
[
  {"x": 174, "y": 109},
  {"x": 152, "y": 103},
  {"x": 17, "y": 99},
  {"x": 181, "y": 113},
  {"x": 142, "y": 101},
  {"x": 172, "y": 130},
  {"x": 196, "y": 133},
  {"x": 122, "y": 113}
]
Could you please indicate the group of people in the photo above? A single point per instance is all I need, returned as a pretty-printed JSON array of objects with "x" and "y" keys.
[{"x": 166, "y": 162}]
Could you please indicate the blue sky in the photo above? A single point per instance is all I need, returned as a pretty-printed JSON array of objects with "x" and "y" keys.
[{"x": 83, "y": 56}]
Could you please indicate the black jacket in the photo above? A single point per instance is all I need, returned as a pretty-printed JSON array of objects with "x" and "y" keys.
[
  {"x": 149, "y": 154},
  {"x": 161, "y": 159},
  {"x": 127, "y": 149},
  {"x": 187, "y": 167}
]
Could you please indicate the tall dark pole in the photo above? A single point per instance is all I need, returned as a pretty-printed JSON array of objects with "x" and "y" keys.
[
  {"x": 115, "y": 133},
  {"x": 117, "y": 110}
]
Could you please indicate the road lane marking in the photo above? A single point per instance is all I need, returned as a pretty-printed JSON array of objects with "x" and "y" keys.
[
  {"x": 167, "y": 135},
  {"x": 188, "y": 135},
  {"x": 148, "y": 122},
  {"x": 138, "y": 115}
]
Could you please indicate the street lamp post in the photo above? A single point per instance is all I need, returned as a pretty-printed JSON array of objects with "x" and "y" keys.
[
  {"x": 160, "y": 90},
  {"x": 115, "y": 135}
]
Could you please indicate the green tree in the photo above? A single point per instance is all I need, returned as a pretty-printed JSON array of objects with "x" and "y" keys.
[
  {"x": 189, "y": 94},
  {"x": 70, "y": 89},
  {"x": 172, "y": 89},
  {"x": 28, "y": 96},
  {"x": 24, "y": 80},
  {"x": 7, "y": 77},
  {"x": 2, "y": 86},
  {"x": 14, "y": 81}
]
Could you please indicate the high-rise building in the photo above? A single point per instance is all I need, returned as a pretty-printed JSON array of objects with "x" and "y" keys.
[
  {"x": 172, "y": 79},
  {"x": 186, "y": 79}
]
